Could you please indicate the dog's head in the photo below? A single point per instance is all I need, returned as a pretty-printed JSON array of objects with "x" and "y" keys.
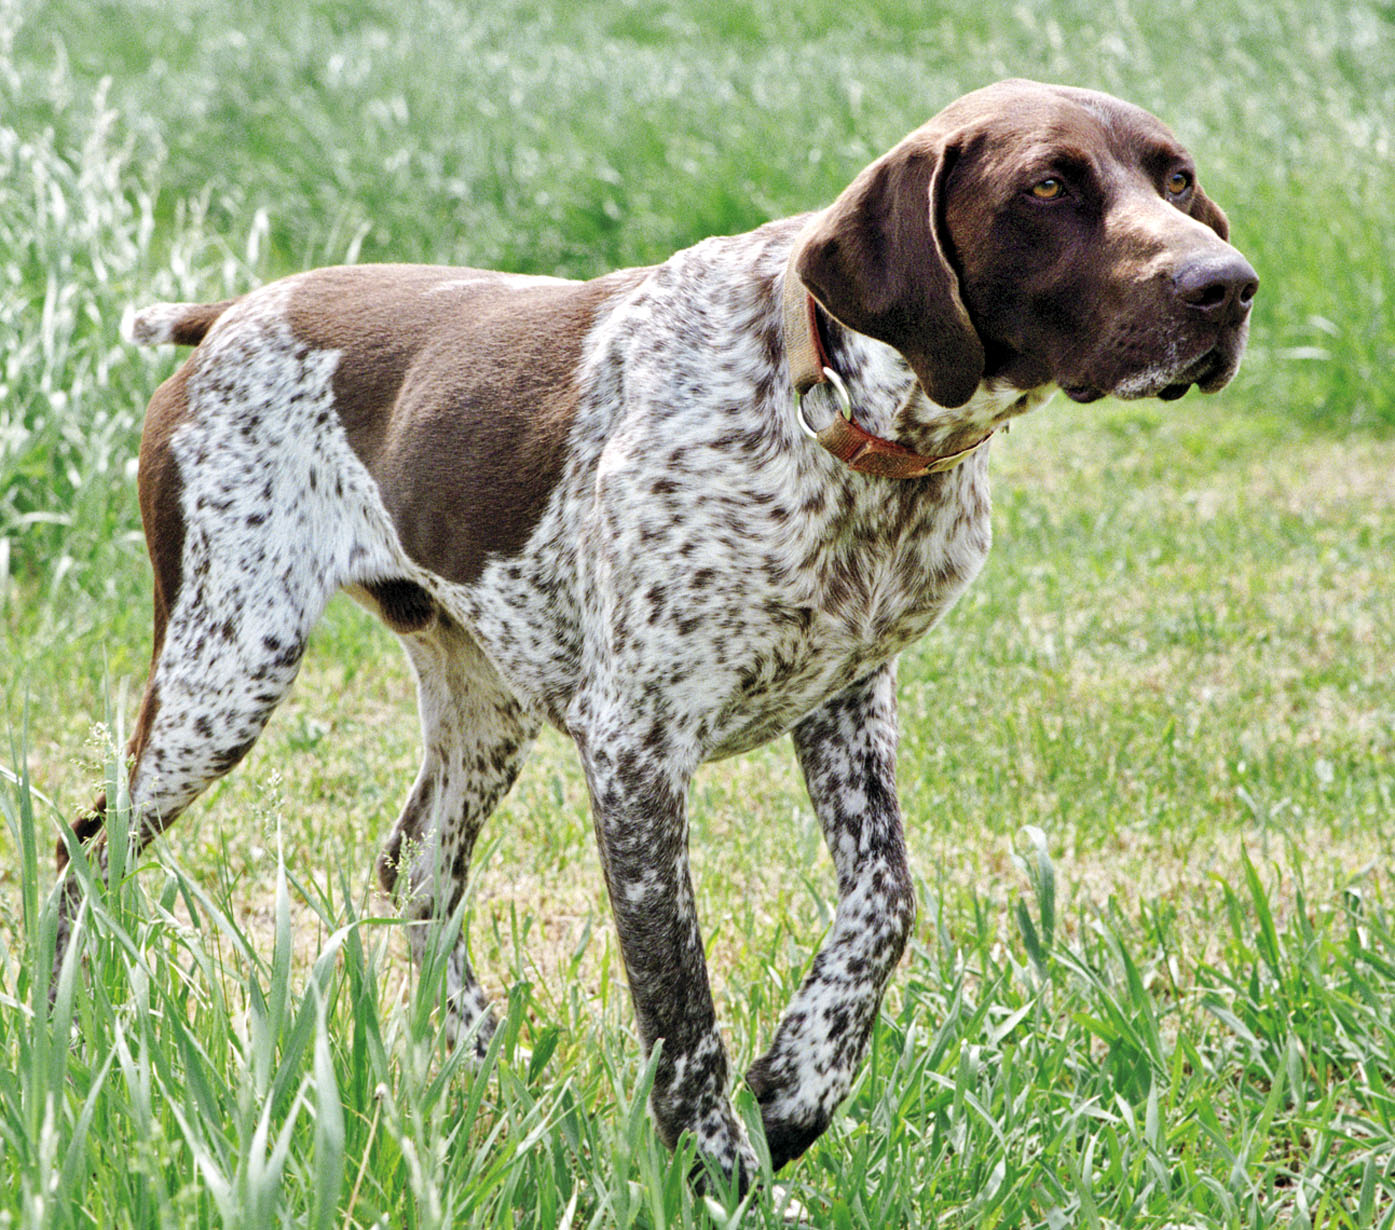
[{"x": 1037, "y": 234}]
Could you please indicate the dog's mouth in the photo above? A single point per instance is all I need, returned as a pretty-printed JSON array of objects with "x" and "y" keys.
[
  {"x": 1206, "y": 374},
  {"x": 1210, "y": 372}
]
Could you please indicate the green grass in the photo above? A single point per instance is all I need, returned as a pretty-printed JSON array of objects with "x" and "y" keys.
[
  {"x": 1146, "y": 765},
  {"x": 1019, "y": 1076}
]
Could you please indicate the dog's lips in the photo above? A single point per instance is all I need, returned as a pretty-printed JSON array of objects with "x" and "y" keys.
[
  {"x": 1221, "y": 366},
  {"x": 1209, "y": 371}
]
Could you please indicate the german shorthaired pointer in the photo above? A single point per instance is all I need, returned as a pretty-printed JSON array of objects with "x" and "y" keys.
[{"x": 676, "y": 512}]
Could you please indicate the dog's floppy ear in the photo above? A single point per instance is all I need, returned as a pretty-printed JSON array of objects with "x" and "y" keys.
[
  {"x": 1204, "y": 209},
  {"x": 876, "y": 261}
]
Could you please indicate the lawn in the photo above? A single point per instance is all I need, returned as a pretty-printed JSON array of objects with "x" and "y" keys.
[{"x": 1146, "y": 763}]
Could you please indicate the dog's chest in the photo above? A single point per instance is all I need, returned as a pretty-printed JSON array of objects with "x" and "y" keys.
[
  {"x": 702, "y": 560},
  {"x": 747, "y": 633}
]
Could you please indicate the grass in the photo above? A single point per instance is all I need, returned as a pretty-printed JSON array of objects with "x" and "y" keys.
[
  {"x": 1146, "y": 761},
  {"x": 1062, "y": 1070}
]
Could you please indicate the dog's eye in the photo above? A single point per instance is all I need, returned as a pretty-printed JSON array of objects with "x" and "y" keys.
[
  {"x": 1178, "y": 183},
  {"x": 1049, "y": 190}
]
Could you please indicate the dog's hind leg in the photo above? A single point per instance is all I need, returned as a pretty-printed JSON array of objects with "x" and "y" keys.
[
  {"x": 248, "y": 538},
  {"x": 476, "y": 738},
  {"x": 847, "y": 750},
  {"x": 225, "y": 658}
]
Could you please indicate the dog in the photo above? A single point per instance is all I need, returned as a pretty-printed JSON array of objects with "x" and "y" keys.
[{"x": 676, "y": 512}]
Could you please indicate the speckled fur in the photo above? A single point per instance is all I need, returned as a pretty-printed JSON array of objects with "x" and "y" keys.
[
  {"x": 704, "y": 580},
  {"x": 700, "y": 578}
]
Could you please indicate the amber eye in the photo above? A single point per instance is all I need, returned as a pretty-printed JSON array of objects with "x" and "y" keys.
[
  {"x": 1049, "y": 190},
  {"x": 1178, "y": 182}
]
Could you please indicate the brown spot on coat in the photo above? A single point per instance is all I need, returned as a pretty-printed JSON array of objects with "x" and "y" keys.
[{"x": 457, "y": 389}]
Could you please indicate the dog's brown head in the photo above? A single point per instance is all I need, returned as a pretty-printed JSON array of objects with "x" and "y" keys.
[{"x": 1037, "y": 234}]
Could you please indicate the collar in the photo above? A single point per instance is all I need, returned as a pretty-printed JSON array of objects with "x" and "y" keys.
[{"x": 856, "y": 447}]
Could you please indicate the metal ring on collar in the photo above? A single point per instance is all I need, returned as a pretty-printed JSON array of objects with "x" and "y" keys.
[{"x": 844, "y": 403}]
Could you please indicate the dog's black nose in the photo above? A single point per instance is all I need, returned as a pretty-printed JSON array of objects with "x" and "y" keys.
[{"x": 1220, "y": 287}]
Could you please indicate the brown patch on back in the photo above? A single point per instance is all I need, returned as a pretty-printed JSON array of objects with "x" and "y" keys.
[{"x": 457, "y": 389}]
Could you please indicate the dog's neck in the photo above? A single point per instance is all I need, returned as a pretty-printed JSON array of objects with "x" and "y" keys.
[{"x": 888, "y": 401}]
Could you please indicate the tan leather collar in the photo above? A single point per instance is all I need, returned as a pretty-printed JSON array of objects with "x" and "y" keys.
[{"x": 854, "y": 446}]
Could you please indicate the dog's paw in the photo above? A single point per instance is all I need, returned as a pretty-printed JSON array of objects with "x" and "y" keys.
[
  {"x": 791, "y": 1124},
  {"x": 725, "y": 1159}
]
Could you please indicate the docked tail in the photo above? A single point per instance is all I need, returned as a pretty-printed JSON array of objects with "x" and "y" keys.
[{"x": 185, "y": 324}]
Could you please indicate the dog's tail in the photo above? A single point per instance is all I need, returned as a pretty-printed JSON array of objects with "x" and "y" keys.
[{"x": 184, "y": 324}]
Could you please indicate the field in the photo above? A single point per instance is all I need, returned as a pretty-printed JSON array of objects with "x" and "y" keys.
[{"x": 1146, "y": 765}]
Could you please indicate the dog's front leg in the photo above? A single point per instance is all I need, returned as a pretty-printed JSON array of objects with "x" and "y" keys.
[
  {"x": 847, "y": 749},
  {"x": 639, "y": 805}
]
